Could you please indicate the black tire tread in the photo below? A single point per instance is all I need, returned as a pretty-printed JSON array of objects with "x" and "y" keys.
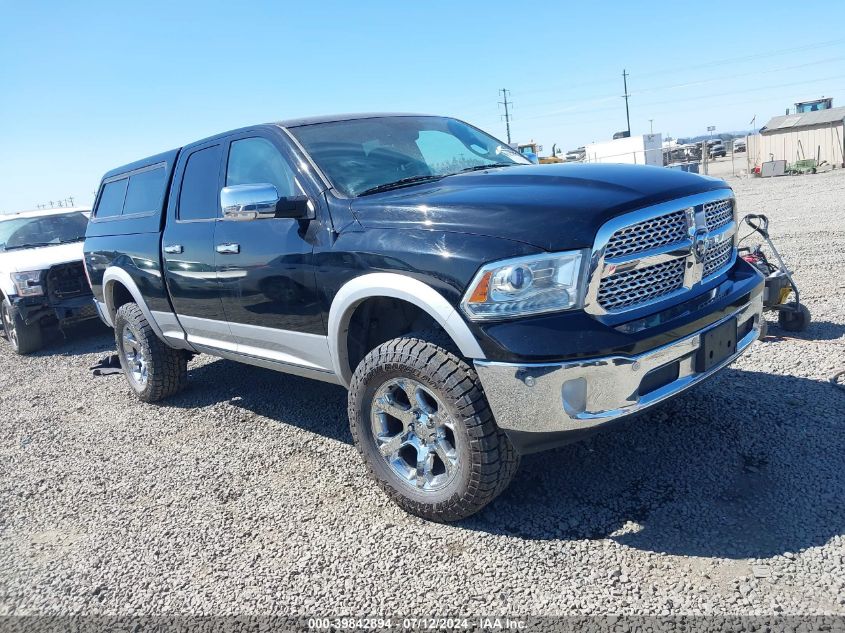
[
  {"x": 30, "y": 337},
  {"x": 168, "y": 367},
  {"x": 494, "y": 460}
]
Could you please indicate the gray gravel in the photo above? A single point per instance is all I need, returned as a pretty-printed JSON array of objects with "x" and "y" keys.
[{"x": 244, "y": 494}]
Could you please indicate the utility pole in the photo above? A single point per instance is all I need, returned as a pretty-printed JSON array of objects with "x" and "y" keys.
[
  {"x": 507, "y": 115},
  {"x": 71, "y": 201},
  {"x": 626, "y": 95}
]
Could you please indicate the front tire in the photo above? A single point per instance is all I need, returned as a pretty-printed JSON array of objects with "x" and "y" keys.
[
  {"x": 421, "y": 422},
  {"x": 153, "y": 370},
  {"x": 23, "y": 338}
]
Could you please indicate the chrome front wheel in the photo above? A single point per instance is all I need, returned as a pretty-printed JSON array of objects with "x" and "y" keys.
[
  {"x": 420, "y": 420},
  {"x": 134, "y": 359},
  {"x": 414, "y": 434}
]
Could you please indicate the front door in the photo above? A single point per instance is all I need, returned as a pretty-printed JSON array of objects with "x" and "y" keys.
[
  {"x": 188, "y": 249},
  {"x": 264, "y": 266}
]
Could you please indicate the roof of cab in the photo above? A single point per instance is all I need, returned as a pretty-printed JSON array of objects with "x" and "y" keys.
[
  {"x": 333, "y": 118},
  {"x": 165, "y": 157},
  {"x": 169, "y": 157}
]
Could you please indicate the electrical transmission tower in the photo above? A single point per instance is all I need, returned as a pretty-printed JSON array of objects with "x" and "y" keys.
[{"x": 507, "y": 114}]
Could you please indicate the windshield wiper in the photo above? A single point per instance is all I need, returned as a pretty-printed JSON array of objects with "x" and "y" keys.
[
  {"x": 481, "y": 167},
  {"x": 33, "y": 245},
  {"x": 404, "y": 182}
]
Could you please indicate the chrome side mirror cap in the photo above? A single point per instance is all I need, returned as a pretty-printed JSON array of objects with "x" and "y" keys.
[
  {"x": 260, "y": 201},
  {"x": 249, "y": 202}
]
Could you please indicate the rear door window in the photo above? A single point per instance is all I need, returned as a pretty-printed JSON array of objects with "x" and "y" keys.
[
  {"x": 111, "y": 200},
  {"x": 199, "y": 198},
  {"x": 145, "y": 191}
]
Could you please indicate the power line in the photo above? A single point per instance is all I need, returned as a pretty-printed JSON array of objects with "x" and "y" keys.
[
  {"x": 721, "y": 62},
  {"x": 507, "y": 115},
  {"x": 693, "y": 98},
  {"x": 575, "y": 105}
]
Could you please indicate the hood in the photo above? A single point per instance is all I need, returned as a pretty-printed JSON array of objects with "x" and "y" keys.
[
  {"x": 553, "y": 207},
  {"x": 40, "y": 258}
]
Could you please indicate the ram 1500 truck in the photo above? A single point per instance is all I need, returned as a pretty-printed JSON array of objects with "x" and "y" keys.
[
  {"x": 477, "y": 307},
  {"x": 42, "y": 279}
]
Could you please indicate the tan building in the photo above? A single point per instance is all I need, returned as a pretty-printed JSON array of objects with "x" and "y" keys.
[{"x": 794, "y": 137}]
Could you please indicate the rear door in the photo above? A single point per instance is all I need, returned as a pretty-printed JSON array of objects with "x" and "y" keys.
[
  {"x": 188, "y": 247},
  {"x": 265, "y": 266}
]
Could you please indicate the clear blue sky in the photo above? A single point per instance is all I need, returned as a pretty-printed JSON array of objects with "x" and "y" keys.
[{"x": 91, "y": 85}]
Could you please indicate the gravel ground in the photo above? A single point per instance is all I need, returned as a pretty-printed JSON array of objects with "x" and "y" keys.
[{"x": 244, "y": 494}]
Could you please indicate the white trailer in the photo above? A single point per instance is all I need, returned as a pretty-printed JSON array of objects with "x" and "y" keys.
[{"x": 636, "y": 150}]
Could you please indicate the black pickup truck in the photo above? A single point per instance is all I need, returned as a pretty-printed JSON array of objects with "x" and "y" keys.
[{"x": 477, "y": 307}]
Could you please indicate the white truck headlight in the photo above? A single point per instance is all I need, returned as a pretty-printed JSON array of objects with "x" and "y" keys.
[
  {"x": 535, "y": 284},
  {"x": 28, "y": 284}
]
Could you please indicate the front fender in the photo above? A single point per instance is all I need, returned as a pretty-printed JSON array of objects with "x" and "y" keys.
[{"x": 394, "y": 286}]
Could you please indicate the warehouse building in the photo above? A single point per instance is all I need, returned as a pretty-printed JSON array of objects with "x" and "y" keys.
[{"x": 804, "y": 135}]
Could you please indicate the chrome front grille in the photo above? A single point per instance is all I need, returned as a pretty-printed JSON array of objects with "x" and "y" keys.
[
  {"x": 718, "y": 214},
  {"x": 652, "y": 233},
  {"x": 717, "y": 257},
  {"x": 648, "y": 255},
  {"x": 634, "y": 287}
]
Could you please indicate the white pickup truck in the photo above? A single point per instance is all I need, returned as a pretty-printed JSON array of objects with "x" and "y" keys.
[{"x": 42, "y": 277}]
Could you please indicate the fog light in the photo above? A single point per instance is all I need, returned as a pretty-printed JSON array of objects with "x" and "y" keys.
[{"x": 574, "y": 395}]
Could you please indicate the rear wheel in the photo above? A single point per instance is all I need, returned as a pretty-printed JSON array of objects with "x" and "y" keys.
[
  {"x": 795, "y": 320},
  {"x": 154, "y": 370},
  {"x": 422, "y": 424},
  {"x": 23, "y": 338}
]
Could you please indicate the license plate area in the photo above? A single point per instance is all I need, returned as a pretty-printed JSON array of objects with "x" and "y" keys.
[{"x": 716, "y": 345}]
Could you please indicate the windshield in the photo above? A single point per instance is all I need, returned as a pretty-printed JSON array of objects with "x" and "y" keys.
[
  {"x": 45, "y": 230},
  {"x": 366, "y": 155}
]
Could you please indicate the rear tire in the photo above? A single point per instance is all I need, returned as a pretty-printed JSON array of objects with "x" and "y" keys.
[
  {"x": 421, "y": 422},
  {"x": 153, "y": 370},
  {"x": 23, "y": 338}
]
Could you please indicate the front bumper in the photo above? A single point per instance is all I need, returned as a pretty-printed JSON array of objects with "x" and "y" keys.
[
  {"x": 65, "y": 312},
  {"x": 544, "y": 405}
]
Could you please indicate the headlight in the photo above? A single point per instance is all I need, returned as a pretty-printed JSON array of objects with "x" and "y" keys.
[
  {"x": 526, "y": 285},
  {"x": 28, "y": 284}
]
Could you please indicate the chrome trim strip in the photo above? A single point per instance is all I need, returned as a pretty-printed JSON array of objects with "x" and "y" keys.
[
  {"x": 600, "y": 268},
  {"x": 285, "y": 346},
  {"x": 207, "y": 331},
  {"x": 290, "y": 348},
  {"x": 582, "y": 394},
  {"x": 286, "y": 368}
]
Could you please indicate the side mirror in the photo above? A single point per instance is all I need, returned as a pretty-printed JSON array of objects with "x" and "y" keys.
[{"x": 261, "y": 201}]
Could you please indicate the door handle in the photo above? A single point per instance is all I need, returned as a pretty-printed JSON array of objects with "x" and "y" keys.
[
  {"x": 173, "y": 249},
  {"x": 228, "y": 249}
]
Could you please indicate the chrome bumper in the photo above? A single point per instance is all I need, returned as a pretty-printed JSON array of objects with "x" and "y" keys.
[{"x": 534, "y": 403}]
